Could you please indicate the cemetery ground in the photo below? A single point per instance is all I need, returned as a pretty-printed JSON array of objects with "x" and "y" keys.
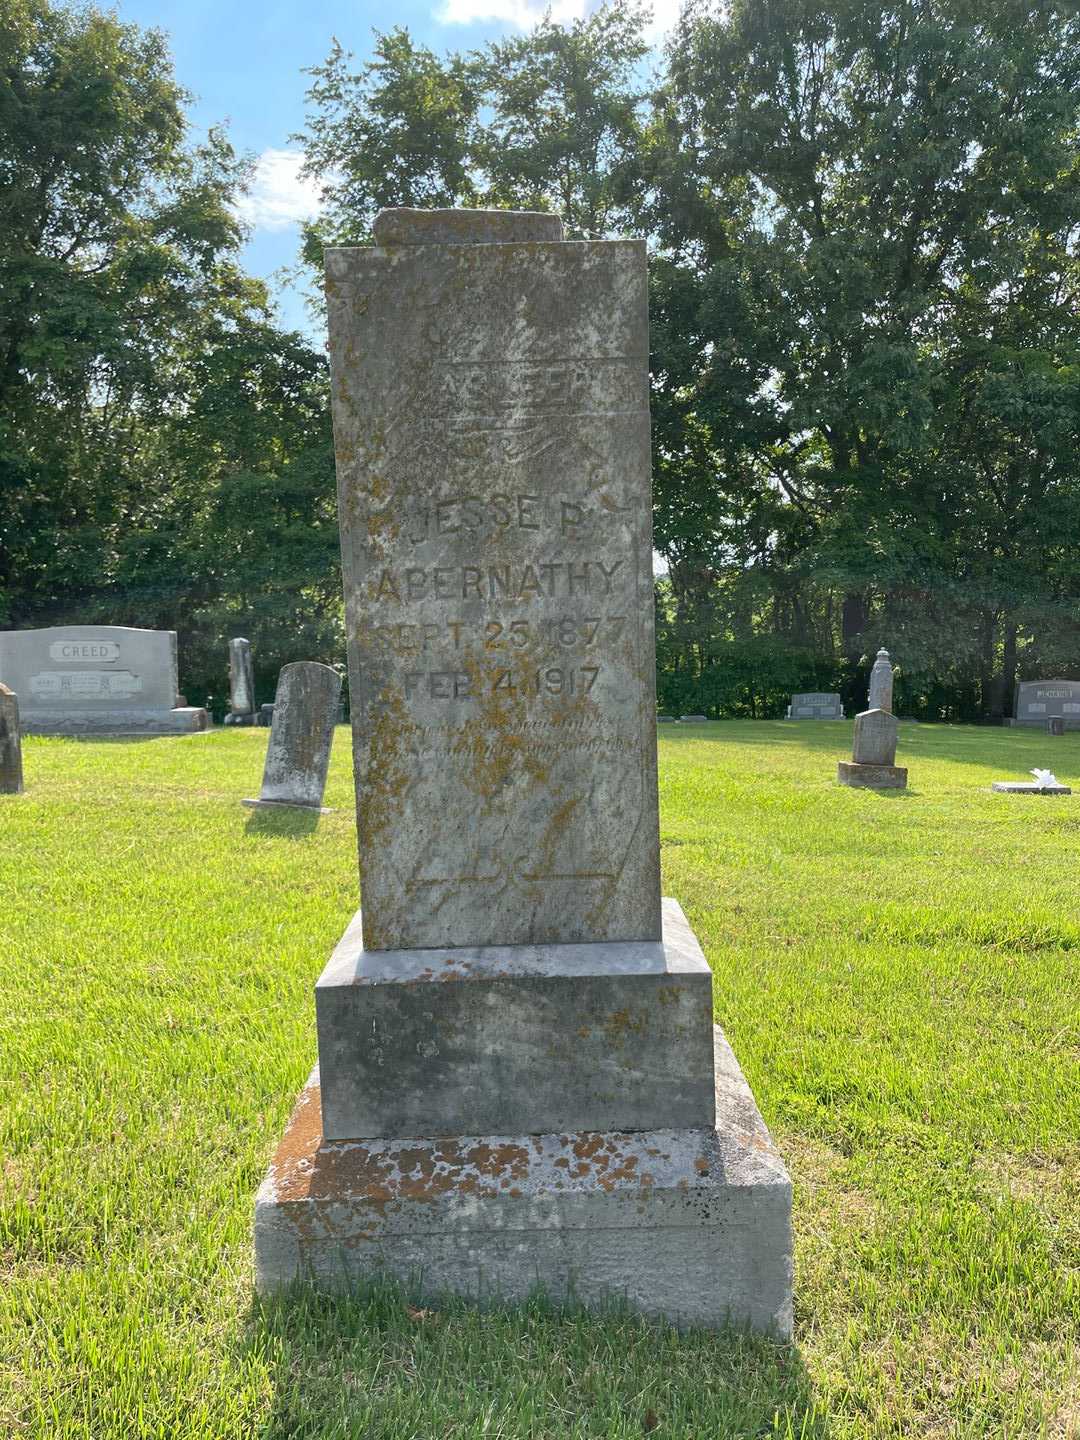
[{"x": 896, "y": 972}]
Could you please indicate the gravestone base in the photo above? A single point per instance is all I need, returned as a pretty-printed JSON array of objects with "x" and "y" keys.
[
  {"x": 872, "y": 777},
  {"x": 258, "y": 804},
  {"x": 693, "y": 1226},
  {"x": 602, "y": 1036},
  {"x": 1028, "y": 787},
  {"x": 183, "y": 720}
]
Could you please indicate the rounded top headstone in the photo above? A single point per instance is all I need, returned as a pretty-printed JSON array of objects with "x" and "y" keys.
[{"x": 405, "y": 226}]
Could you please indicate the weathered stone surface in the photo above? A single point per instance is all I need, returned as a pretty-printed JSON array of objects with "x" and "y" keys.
[
  {"x": 815, "y": 705},
  {"x": 298, "y": 751},
  {"x": 96, "y": 680},
  {"x": 241, "y": 682},
  {"x": 871, "y": 777},
  {"x": 492, "y": 438},
  {"x": 881, "y": 683},
  {"x": 405, "y": 226},
  {"x": 691, "y": 1225},
  {"x": 1055, "y": 725},
  {"x": 1037, "y": 700},
  {"x": 875, "y": 738},
  {"x": 1028, "y": 787},
  {"x": 611, "y": 1036},
  {"x": 11, "y": 769},
  {"x": 694, "y": 719},
  {"x": 266, "y": 715}
]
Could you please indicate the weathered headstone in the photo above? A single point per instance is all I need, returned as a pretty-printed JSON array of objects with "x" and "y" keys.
[
  {"x": 266, "y": 715},
  {"x": 881, "y": 683},
  {"x": 694, "y": 719},
  {"x": 96, "y": 680},
  {"x": 872, "y": 765},
  {"x": 241, "y": 683},
  {"x": 1055, "y": 725},
  {"x": 11, "y": 770},
  {"x": 302, "y": 732},
  {"x": 1039, "y": 700},
  {"x": 517, "y": 1074},
  {"x": 815, "y": 705}
]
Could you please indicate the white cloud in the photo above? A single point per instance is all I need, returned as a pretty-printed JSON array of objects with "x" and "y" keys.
[
  {"x": 524, "y": 14},
  {"x": 279, "y": 195}
]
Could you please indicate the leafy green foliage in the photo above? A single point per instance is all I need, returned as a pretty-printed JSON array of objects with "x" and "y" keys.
[{"x": 167, "y": 391}]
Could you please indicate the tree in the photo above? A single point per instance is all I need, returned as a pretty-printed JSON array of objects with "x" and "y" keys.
[
  {"x": 162, "y": 443},
  {"x": 871, "y": 312}
]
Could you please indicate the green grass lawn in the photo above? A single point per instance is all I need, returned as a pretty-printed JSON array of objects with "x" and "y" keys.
[{"x": 897, "y": 974}]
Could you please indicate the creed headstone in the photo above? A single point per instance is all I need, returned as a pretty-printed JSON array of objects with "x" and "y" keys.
[
  {"x": 873, "y": 755},
  {"x": 301, "y": 734},
  {"x": 11, "y": 770},
  {"x": 881, "y": 683},
  {"x": 97, "y": 680},
  {"x": 519, "y": 1080},
  {"x": 241, "y": 683},
  {"x": 1038, "y": 701},
  {"x": 815, "y": 705}
]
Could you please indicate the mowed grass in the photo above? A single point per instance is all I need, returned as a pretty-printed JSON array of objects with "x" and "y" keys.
[{"x": 897, "y": 974}]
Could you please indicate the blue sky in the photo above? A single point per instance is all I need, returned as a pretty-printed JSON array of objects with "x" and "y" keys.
[{"x": 243, "y": 61}]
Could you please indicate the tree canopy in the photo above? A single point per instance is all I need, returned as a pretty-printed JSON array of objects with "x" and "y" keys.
[{"x": 863, "y": 225}]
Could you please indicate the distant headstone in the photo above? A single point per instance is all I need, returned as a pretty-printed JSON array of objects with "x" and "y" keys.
[
  {"x": 694, "y": 719},
  {"x": 873, "y": 754},
  {"x": 96, "y": 680},
  {"x": 298, "y": 752},
  {"x": 665, "y": 719},
  {"x": 11, "y": 771},
  {"x": 815, "y": 705},
  {"x": 241, "y": 683},
  {"x": 1055, "y": 725},
  {"x": 1037, "y": 701},
  {"x": 518, "y": 1078},
  {"x": 881, "y": 683},
  {"x": 266, "y": 715}
]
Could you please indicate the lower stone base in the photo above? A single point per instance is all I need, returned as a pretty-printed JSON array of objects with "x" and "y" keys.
[
  {"x": 183, "y": 720},
  {"x": 690, "y": 1225},
  {"x": 872, "y": 777}
]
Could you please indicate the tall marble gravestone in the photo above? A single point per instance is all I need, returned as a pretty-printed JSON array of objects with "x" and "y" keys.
[
  {"x": 881, "y": 683},
  {"x": 11, "y": 770},
  {"x": 301, "y": 734},
  {"x": 97, "y": 680},
  {"x": 519, "y": 1081},
  {"x": 873, "y": 755},
  {"x": 241, "y": 683}
]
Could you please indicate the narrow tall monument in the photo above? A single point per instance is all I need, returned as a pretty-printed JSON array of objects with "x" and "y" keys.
[
  {"x": 519, "y": 1079},
  {"x": 881, "y": 683}
]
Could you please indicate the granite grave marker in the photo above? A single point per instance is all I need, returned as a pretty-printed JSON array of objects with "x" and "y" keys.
[
  {"x": 873, "y": 754},
  {"x": 241, "y": 683},
  {"x": 881, "y": 683},
  {"x": 519, "y": 1081},
  {"x": 1039, "y": 700},
  {"x": 97, "y": 680},
  {"x": 11, "y": 769},
  {"x": 815, "y": 705},
  {"x": 301, "y": 734}
]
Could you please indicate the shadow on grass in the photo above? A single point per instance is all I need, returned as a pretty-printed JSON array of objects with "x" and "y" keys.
[
  {"x": 374, "y": 1363},
  {"x": 292, "y": 821}
]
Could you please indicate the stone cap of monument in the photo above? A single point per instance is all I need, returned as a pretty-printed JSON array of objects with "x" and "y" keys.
[{"x": 405, "y": 226}]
